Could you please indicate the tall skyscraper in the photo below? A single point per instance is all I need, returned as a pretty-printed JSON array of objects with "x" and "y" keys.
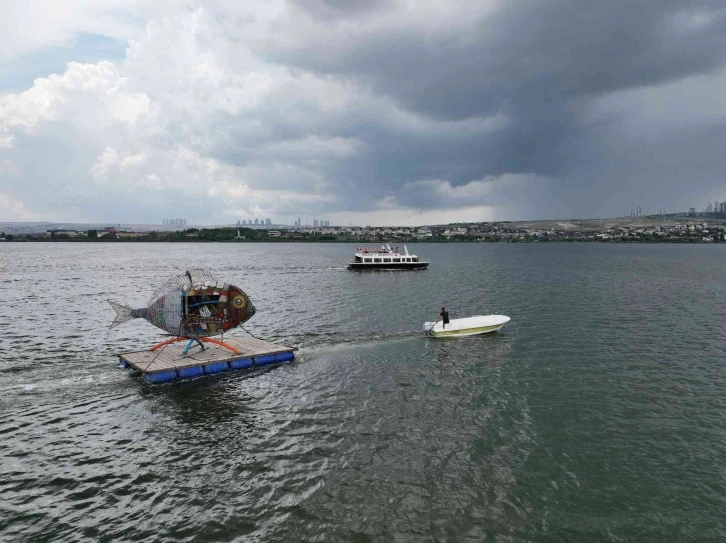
[
  {"x": 298, "y": 221},
  {"x": 315, "y": 223},
  {"x": 257, "y": 221},
  {"x": 268, "y": 222}
]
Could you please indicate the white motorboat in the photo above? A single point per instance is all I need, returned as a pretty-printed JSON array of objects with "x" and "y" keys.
[{"x": 469, "y": 326}]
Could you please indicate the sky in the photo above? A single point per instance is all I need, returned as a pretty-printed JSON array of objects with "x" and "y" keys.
[{"x": 366, "y": 112}]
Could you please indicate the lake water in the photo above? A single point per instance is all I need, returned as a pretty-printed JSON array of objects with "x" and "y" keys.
[{"x": 597, "y": 414}]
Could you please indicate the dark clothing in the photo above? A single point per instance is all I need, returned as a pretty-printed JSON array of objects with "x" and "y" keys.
[{"x": 445, "y": 317}]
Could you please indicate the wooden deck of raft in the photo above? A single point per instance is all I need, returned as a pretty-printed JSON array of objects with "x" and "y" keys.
[{"x": 167, "y": 363}]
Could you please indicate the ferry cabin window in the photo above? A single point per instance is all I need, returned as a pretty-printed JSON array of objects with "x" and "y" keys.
[
  {"x": 408, "y": 260},
  {"x": 415, "y": 259},
  {"x": 397, "y": 260},
  {"x": 376, "y": 260},
  {"x": 386, "y": 260},
  {"x": 358, "y": 259},
  {"x": 366, "y": 260}
]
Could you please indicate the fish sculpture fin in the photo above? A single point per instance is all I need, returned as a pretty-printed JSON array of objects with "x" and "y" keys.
[
  {"x": 123, "y": 313},
  {"x": 183, "y": 281}
]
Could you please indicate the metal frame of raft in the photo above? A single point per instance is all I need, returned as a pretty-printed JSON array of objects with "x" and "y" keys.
[{"x": 169, "y": 360}]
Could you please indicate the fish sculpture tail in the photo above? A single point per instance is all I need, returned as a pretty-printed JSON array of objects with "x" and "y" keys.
[{"x": 123, "y": 313}]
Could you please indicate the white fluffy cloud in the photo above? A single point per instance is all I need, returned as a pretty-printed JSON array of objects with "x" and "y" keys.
[{"x": 192, "y": 115}]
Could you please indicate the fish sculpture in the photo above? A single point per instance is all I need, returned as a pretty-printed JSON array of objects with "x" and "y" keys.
[{"x": 193, "y": 304}]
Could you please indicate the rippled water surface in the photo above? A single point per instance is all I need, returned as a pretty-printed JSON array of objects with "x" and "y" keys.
[{"x": 598, "y": 413}]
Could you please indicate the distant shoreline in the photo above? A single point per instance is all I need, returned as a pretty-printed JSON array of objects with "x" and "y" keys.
[
  {"x": 371, "y": 242},
  {"x": 560, "y": 232}
]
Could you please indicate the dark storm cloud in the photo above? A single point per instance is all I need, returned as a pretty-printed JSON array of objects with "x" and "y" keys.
[
  {"x": 527, "y": 53},
  {"x": 540, "y": 65}
]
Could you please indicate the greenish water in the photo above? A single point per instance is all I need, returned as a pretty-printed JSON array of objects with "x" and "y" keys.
[{"x": 597, "y": 414}]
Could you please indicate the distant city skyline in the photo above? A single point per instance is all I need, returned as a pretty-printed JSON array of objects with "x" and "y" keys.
[{"x": 716, "y": 209}]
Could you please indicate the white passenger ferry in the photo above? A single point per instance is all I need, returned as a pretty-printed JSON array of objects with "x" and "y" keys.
[{"x": 385, "y": 258}]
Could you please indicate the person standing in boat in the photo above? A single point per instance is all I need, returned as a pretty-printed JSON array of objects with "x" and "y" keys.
[{"x": 443, "y": 316}]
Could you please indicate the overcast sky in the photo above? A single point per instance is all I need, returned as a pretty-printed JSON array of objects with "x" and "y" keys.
[{"x": 363, "y": 111}]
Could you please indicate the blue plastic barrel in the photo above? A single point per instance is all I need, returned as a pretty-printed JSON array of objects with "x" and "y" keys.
[
  {"x": 216, "y": 367},
  {"x": 284, "y": 357},
  {"x": 240, "y": 364},
  {"x": 187, "y": 373},
  {"x": 160, "y": 376},
  {"x": 265, "y": 359}
]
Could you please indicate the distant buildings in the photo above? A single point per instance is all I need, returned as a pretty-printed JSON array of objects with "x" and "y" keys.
[
  {"x": 317, "y": 223},
  {"x": 64, "y": 232},
  {"x": 174, "y": 222},
  {"x": 717, "y": 207},
  {"x": 258, "y": 222}
]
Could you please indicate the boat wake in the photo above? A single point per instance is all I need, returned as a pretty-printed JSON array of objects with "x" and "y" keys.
[{"x": 320, "y": 342}]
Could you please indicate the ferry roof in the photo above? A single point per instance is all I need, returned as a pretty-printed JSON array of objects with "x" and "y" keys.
[{"x": 382, "y": 250}]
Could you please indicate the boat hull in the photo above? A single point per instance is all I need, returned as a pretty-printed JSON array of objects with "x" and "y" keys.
[
  {"x": 359, "y": 266},
  {"x": 470, "y": 326},
  {"x": 467, "y": 331}
]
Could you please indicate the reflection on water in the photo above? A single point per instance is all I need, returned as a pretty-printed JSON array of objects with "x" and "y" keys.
[{"x": 596, "y": 414}]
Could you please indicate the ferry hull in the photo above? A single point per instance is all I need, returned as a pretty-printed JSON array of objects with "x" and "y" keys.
[{"x": 398, "y": 266}]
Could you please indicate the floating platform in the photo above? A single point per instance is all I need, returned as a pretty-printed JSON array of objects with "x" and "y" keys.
[{"x": 167, "y": 362}]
